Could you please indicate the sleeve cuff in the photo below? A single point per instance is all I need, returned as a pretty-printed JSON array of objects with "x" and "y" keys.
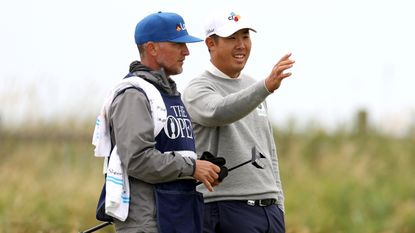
[{"x": 189, "y": 168}]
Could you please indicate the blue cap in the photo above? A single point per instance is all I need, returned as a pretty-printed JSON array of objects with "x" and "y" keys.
[{"x": 163, "y": 27}]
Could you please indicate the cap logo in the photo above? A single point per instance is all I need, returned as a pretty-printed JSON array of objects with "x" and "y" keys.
[
  {"x": 234, "y": 17},
  {"x": 180, "y": 27}
]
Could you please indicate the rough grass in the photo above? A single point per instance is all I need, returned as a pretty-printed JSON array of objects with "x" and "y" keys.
[
  {"x": 347, "y": 182},
  {"x": 334, "y": 182},
  {"x": 50, "y": 183}
]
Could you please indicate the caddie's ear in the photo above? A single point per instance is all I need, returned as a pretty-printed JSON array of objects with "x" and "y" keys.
[{"x": 151, "y": 48}]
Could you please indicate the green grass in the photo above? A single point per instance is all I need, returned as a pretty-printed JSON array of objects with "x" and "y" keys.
[
  {"x": 348, "y": 183},
  {"x": 50, "y": 184},
  {"x": 334, "y": 182}
]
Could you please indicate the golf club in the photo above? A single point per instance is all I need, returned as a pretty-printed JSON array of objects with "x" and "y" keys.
[{"x": 255, "y": 160}]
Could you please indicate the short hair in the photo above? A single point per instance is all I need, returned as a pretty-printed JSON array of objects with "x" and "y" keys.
[{"x": 141, "y": 49}]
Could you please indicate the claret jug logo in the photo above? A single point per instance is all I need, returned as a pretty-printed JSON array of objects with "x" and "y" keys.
[{"x": 178, "y": 124}]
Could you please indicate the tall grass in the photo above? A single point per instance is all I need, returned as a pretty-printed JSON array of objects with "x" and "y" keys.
[
  {"x": 346, "y": 182},
  {"x": 51, "y": 182},
  {"x": 334, "y": 182}
]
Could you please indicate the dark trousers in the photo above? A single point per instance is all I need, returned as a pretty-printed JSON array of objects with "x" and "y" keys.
[{"x": 238, "y": 216}]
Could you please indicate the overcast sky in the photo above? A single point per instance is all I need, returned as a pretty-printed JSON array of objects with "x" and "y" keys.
[{"x": 60, "y": 57}]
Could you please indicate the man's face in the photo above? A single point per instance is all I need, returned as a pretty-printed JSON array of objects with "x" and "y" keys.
[
  {"x": 170, "y": 56},
  {"x": 230, "y": 54}
]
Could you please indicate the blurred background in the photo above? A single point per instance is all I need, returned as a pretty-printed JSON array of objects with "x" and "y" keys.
[{"x": 344, "y": 122}]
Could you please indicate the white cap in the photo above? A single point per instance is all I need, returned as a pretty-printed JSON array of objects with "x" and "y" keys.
[{"x": 226, "y": 23}]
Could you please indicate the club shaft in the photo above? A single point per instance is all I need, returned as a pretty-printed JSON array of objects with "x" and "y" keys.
[
  {"x": 102, "y": 225},
  {"x": 230, "y": 169},
  {"x": 239, "y": 165}
]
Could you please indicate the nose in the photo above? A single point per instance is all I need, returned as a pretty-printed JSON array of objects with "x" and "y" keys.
[
  {"x": 240, "y": 43},
  {"x": 185, "y": 50}
]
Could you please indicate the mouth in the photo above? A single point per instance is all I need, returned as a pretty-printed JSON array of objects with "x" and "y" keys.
[{"x": 239, "y": 57}]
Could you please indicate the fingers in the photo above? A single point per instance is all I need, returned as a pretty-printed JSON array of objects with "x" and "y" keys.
[
  {"x": 215, "y": 183},
  {"x": 210, "y": 180},
  {"x": 285, "y": 57},
  {"x": 278, "y": 73},
  {"x": 285, "y": 75},
  {"x": 208, "y": 186},
  {"x": 283, "y": 64},
  {"x": 216, "y": 170},
  {"x": 207, "y": 173},
  {"x": 211, "y": 177},
  {"x": 279, "y": 70}
]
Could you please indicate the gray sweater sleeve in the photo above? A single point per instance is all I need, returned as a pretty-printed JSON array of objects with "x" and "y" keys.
[
  {"x": 132, "y": 127},
  {"x": 210, "y": 109}
]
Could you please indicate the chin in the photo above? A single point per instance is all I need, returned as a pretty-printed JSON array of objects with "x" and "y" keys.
[
  {"x": 239, "y": 67},
  {"x": 173, "y": 70}
]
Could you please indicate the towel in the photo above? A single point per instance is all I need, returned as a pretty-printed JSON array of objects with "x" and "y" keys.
[
  {"x": 117, "y": 198},
  {"x": 101, "y": 139}
]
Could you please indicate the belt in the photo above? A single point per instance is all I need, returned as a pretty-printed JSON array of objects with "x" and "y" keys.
[{"x": 263, "y": 202}]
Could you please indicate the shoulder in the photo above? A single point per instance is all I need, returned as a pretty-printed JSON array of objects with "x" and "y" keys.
[
  {"x": 247, "y": 78},
  {"x": 130, "y": 96},
  {"x": 204, "y": 79}
]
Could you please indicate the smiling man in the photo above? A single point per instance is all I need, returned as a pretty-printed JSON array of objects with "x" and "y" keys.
[{"x": 229, "y": 116}]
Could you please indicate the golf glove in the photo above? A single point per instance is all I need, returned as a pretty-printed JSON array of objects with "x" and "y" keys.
[{"x": 219, "y": 161}]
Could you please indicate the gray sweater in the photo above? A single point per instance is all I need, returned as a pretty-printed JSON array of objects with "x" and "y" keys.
[{"x": 229, "y": 118}]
